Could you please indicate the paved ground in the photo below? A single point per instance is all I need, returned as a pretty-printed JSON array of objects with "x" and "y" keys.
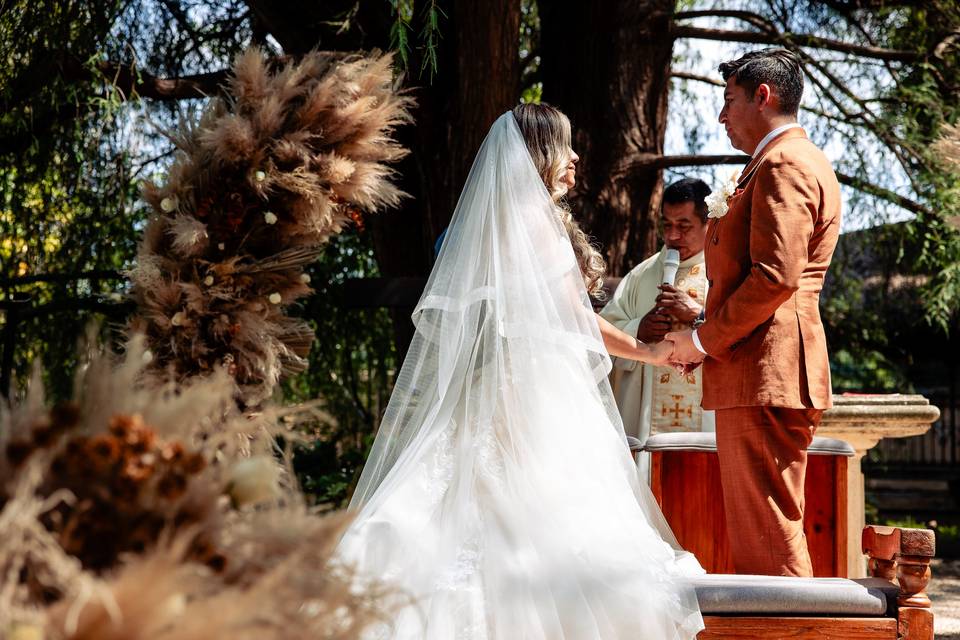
[{"x": 945, "y": 593}]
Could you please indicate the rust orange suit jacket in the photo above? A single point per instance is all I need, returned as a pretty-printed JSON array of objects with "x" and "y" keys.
[{"x": 766, "y": 260}]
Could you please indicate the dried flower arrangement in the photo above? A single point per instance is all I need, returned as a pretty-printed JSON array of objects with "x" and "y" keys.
[
  {"x": 947, "y": 147},
  {"x": 259, "y": 184},
  {"x": 138, "y": 511},
  {"x": 947, "y": 150}
]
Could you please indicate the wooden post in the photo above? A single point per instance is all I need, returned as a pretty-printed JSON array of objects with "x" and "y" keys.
[{"x": 903, "y": 555}]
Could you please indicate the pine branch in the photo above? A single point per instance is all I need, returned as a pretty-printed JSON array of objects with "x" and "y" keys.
[
  {"x": 693, "y": 160},
  {"x": 130, "y": 81},
  {"x": 886, "y": 194},
  {"x": 655, "y": 161},
  {"x": 794, "y": 40},
  {"x": 747, "y": 16},
  {"x": 697, "y": 77},
  {"x": 872, "y": 123}
]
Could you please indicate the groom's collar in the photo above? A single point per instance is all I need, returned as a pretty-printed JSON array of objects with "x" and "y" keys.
[
  {"x": 773, "y": 134},
  {"x": 766, "y": 145}
]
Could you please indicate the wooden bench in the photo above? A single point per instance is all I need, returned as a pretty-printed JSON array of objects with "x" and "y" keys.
[{"x": 890, "y": 605}]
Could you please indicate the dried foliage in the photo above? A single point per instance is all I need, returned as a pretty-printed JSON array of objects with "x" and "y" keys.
[
  {"x": 259, "y": 184},
  {"x": 123, "y": 517},
  {"x": 947, "y": 150},
  {"x": 947, "y": 147}
]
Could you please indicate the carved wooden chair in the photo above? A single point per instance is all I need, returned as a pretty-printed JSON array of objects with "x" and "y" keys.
[{"x": 890, "y": 605}]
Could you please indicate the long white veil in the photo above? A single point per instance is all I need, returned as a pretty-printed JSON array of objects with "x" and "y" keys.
[
  {"x": 505, "y": 305},
  {"x": 500, "y": 491}
]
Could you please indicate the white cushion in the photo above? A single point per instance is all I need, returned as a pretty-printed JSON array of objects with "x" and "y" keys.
[
  {"x": 776, "y": 595},
  {"x": 707, "y": 441}
]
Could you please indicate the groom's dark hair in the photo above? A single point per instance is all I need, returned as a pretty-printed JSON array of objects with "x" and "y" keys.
[
  {"x": 689, "y": 190},
  {"x": 779, "y": 68}
]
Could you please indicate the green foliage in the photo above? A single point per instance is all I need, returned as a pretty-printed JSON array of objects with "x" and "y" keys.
[
  {"x": 429, "y": 36},
  {"x": 531, "y": 88},
  {"x": 533, "y": 93},
  {"x": 941, "y": 257},
  {"x": 925, "y": 98},
  {"x": 866, "y": 371},
  {"x": 873, "y": 314},
  {"x": 400, "y": 31},
  {"x": 352, "y": 366},
  {"x": 944, "y": 532},
  {"x": 66, "y": 188}
]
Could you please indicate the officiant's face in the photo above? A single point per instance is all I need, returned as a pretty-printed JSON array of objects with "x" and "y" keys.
[{"x": 683, "y": 229}]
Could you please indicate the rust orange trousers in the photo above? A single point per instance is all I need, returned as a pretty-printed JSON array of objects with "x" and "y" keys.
[{"x": 763, "y": 464}]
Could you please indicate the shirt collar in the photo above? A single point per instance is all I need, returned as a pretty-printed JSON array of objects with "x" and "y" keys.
[{"x": 773, "y": 134}]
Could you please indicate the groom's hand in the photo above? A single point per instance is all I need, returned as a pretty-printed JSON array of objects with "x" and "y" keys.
[
  {"x": 684, "y": 351},
  {"x": 661, "y": 353}
]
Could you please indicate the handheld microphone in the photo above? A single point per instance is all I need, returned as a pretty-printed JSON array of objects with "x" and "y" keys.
[{"x": 670, "y": 266}]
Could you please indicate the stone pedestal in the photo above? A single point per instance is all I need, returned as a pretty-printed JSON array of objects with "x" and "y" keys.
[{"x": 862, "y": 421}]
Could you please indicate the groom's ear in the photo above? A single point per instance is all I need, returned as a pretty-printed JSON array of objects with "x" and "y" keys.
[{"x": 763, "y": 95}]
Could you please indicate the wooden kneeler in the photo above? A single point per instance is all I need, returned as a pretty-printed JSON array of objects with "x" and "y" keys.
[
  {"x": 900, "y": 569},
  {"x": 685, "y": 480}
]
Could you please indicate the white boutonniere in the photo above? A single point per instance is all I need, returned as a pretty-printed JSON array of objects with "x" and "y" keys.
[{"x": 717, "y": 205}]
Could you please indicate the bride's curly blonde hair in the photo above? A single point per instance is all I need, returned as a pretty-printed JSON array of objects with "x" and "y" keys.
[{"x": 546, "y": 130}]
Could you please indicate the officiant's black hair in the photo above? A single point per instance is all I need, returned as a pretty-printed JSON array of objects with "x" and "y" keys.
[
  {"x": 689, "y": 190},
  {"x": 779, "y": 68}
]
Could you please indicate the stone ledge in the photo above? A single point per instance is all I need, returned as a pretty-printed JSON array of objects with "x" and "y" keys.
[{"x": 873, "y": 417}]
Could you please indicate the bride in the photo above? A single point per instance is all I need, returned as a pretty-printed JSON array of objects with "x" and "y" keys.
[{"x": 499, "y": 495}]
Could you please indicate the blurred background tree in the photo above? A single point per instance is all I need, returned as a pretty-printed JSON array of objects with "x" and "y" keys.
[{"x": 88, "y": 86}]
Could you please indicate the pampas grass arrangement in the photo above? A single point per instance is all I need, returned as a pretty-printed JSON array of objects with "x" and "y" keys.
[
  {"x": 259, "y": 184},
  {"x": 947, "y": 147},
  {"x": 947, "y": 150},
  {"x": 99, "y": 543}
]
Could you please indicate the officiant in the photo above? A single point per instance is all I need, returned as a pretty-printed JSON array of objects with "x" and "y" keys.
[{"x": 655, "y": 399}]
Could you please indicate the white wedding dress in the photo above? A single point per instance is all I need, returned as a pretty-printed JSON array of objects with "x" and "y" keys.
[{"x": 500, "y": 496}]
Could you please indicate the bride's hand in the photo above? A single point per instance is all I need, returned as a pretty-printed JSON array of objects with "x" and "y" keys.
[{"x": 661, "y": 353}]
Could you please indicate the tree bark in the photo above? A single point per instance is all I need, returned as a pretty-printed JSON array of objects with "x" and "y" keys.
[
  {"x": 615, "y": 91},
  {"x": 478, "y": 72},
  {"x": 476, "y": 81}
]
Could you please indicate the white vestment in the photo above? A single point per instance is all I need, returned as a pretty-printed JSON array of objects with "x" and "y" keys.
[{"x": 654, "y": 399}]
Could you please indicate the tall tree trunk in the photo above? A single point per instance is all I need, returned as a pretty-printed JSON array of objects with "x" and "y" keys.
[
  {"x": 614, "y": 89},
  {"x": 476, "y": 80}
]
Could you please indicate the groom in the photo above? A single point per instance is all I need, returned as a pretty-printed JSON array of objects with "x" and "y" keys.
[{"x": 765, "y": 370}]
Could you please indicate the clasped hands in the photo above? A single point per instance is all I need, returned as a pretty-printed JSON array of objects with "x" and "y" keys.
[
  {"x": 678, "y": 350},
  {"x": 674, "y": 348}
]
